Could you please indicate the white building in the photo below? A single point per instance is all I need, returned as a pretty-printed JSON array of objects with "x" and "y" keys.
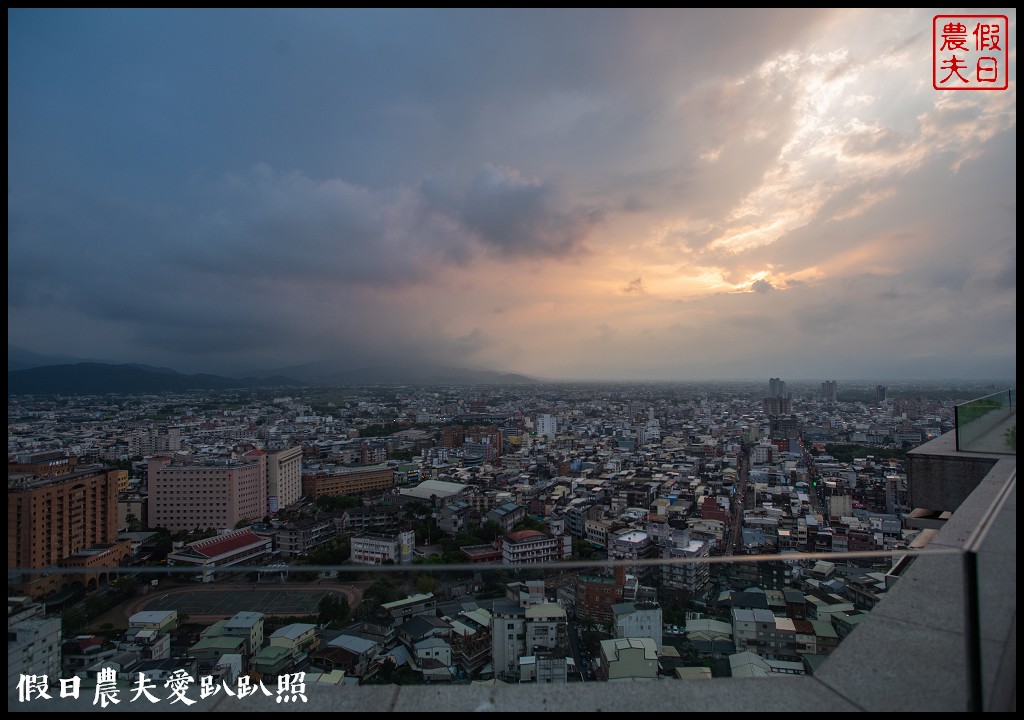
[
  {"x": 33, "y": 642},
  {"x": 547, "y": 427},
  {"x": 517, "y": 632},
  {"x": 532, "y": 547},
  {"x": 641, "y": 619},
  {"x": 378, "y": 549}
]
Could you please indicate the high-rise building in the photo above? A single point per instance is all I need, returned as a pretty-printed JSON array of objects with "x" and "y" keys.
[
  {"x": 828, "y": 392},
  {"x": 776, "y": 387},
  {"x": 216, "y": 495},
  {"x": 284, "y": 478},
  {"x": 547, "y": 426},
  {"x": 52, "y": 517},
  {"x": 880, "y": 393},
  {"x": 778, "y": 401}
]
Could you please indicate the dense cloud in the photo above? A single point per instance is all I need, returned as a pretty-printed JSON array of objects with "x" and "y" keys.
[{"x": 649, "y": 194}]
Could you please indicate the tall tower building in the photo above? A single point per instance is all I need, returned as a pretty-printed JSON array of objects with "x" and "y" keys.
[
  {"x": 778, "y": 401},
  {"x": 828, "y": 392}
]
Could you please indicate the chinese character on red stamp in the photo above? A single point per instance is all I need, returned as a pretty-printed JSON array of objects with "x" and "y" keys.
[{"x": 970, "y": 52}]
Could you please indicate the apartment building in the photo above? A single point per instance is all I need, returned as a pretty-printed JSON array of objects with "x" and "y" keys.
[
  {"x": 284, "y": 478},
  {"x": 216, "y": 494},
  {"x": 533, "y": 547},
  {"x": 517, "y": 631},
  {"x": 348, "y": 481},
  {"x": 53, "y": 517},
  {"x": 373, "y": 549}
]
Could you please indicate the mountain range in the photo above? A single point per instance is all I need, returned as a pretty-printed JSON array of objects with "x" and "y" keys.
[{"x": 32, "y": 374}]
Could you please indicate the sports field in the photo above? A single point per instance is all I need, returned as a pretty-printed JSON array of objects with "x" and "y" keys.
[{"x": 226, "y": 601}]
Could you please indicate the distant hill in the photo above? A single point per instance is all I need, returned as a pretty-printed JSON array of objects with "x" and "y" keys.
[
  {"x": 19, "y": 358},
  {"x": 90, "y": 378}
]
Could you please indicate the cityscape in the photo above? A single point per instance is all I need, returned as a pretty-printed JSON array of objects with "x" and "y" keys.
[
  {"x": 523, "y": 360},
  {"x": 235, "y": 534}
]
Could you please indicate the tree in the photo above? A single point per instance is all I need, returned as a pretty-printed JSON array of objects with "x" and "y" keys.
[
  {"x": 71, "y": 620},
  {"x": 490, "y": 530},
  {"x": 427, "y": 584},
  {"x": 133, "y": 522},
  {"x": 335, "y": 552},
  {"x": 382, "y": 590},
  {"x": 124, "y": 586},
  {"x": 582, "y": 550},
  {"x": 333, "y": 610},
  {"x": 337, "y": 503}
]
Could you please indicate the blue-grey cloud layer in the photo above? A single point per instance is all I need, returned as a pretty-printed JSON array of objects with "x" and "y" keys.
[{"x": 218, "y": 189}]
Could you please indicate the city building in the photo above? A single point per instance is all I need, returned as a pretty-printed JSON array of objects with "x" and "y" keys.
[
  {"x": 372, "y": 549},
  {"x": 623, "y": 658},
  {"x": 520, "y": 631},
  {"x": 215, "y": 494},
  {"x": 33, "y": 642},
  {"x": 597, "y": 595},
  {"x": 53, "y": 517},
  {"x": 284, "y": 478},
  {"x": 547, "y": 427},
  {"x": 298, "y": 538},
  {"x": 342, "y": 480},
  {"x": 533, "y": 547},
  {"x": 639, "y": 619},
  {"x": 211, "y": 554}
]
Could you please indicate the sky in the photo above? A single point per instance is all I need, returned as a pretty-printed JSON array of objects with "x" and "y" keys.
[{"x": 567, "y": 194}]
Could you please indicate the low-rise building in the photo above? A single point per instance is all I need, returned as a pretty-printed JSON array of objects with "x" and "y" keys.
[
  {"x": 532, "y": 547},
  {"x": 628, "y": 658},
  {"x": 378, "y": 549}
]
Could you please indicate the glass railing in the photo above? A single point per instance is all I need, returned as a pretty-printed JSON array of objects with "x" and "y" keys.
[
  {"x": 988, "y": 424},
  {"x": 286, "y": 631},
  {"x": 990, "y": 571}
]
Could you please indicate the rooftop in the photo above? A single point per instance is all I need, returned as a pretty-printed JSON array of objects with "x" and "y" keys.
[{"x": 934, "y": 643}]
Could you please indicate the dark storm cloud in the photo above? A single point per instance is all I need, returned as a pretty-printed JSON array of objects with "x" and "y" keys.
[{"x": 518, "y": 216}]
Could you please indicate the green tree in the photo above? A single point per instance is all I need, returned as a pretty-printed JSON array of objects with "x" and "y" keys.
[
  {"x": 124, "y": 586},
  {"x": 490, "y": 531},
  {"x": 427, "y": 584},
  {"x": 382, "y": 590},
  {"x": 333, "y": 610},
  {"x": 133, "y": 522},
  {"x": 582, "y": 550},
  {"x": 337, "y": 503},
  {"x": 71, "y": 620}
]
